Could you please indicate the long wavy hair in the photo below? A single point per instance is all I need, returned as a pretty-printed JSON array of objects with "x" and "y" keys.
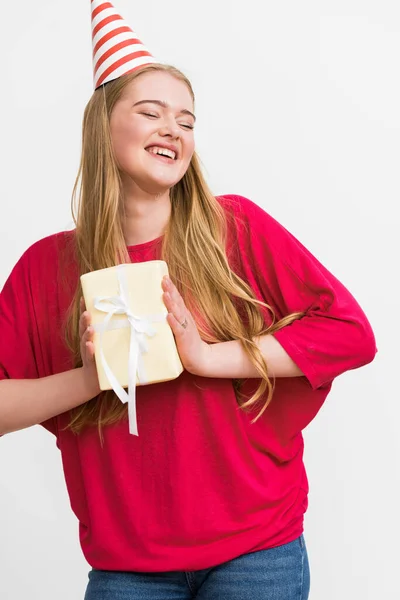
[{"x": 193, "y": 246}]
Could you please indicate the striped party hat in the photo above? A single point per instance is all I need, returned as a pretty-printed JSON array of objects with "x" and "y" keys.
[{"x": 116, "y": 48}]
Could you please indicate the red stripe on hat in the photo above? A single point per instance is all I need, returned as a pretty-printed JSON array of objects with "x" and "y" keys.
[
  {"x": 104, "y": 22},
  {"x": 121, "y": 62},
  {"x": 127, "y": 72},
  {"x": 100, "y": 8},
  {"x": 110, "y": 35},
  {"x": 113, "y": 50}
]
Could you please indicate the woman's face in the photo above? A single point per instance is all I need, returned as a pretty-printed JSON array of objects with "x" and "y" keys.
[{"x": 152, "y": 131}]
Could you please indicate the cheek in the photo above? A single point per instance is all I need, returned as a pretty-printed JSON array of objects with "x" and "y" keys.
[
  {"x": 128, "y": 138},
  {"x": 189, "y": 149},
  {"x": 125, "y": 140},
  {"x": 128, "y": 151}
]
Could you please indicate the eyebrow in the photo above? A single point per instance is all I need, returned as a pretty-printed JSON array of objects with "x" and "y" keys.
[{"x": 184, "y": 111}]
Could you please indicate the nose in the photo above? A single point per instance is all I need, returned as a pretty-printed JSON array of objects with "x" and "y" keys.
[{"x": 170, "y": 128}]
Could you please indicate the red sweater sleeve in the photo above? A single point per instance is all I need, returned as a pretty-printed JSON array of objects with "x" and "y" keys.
[
  {"x": 17, "y": 325},
  {"x": 335, "y": 335},
  {"x": 20, "y": 350}
]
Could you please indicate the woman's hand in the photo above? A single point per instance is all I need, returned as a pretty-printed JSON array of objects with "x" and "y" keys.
[
  {"x": 86, "y": 333},
  {"x": 193, "y": 351}
]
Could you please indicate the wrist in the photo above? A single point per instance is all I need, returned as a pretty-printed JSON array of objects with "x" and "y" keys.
[
  {"x": 210, "y": 362},
  {"x": 227, "y": 360},
  {"x": 89, "y": 387},
  {"x": 203, "y": 364}
]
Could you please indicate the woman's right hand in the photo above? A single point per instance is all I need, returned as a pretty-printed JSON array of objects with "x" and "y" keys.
[{"x": 86, "y": 334}]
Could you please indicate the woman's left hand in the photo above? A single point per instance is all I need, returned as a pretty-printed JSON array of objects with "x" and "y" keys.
[{"x": 193, "y": 351}]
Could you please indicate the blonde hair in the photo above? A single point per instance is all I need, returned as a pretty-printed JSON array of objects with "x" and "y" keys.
[{"x": 223, "y": 305}]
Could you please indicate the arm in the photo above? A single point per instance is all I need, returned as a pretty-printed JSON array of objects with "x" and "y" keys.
[
  {"x": 332, "y": 337},
  {"x": 28, "y": 402},
  {"x": 228, "y": 359},
  {"x": 26, "y": 398},
  {"x": 319, "y": 346}
]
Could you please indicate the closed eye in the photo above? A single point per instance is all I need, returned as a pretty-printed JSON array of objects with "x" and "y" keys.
[{"x": 155, "y": 116}]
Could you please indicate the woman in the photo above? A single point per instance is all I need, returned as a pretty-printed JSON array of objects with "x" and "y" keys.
[{"x": 208, "y": 502}]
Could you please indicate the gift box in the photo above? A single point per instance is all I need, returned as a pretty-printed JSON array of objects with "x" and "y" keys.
[{"x": 134, "y": 344}]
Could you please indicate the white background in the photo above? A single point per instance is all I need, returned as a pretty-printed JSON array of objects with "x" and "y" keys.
[{"x": 298, "y": 109}]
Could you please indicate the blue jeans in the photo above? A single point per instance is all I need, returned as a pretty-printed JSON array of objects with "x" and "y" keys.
[{"x": 280, "y": 573}]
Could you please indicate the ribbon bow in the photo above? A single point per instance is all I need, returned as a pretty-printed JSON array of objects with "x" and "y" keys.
[{"x": 140, "y": 327}]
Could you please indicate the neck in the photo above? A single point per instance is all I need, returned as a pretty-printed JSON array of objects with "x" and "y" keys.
[{"x": 146, "y": 216}]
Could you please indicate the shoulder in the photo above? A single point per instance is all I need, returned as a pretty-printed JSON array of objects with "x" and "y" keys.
[
  {"x": 50, "y": 246},
  {"x": 237, "y": 204},
  {"x": 43, "y": 259},
  {"x": 249, "y": 218},
  {"x": 245, "y": 209},
  {"x": 257, "y": 235},
  {"x": 48, "y": 249}
]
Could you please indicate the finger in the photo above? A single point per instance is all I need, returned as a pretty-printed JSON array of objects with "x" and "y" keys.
[
  {"x": 89, "y": 350},
  {"x": 169, "y": 287},
  {"x": 174, "y": 305},
  {"x": 88, "y": 335},
  {"x": 82, "y": 325},
  {"x": 179, "y": 324},
  {"x": 176, "y": 297},
  {"x": 84, "y": 322},
  {"x": 179, "y": 312},
  {"x": 176, "y": 327},
  {"x": 87, "y": 342}
]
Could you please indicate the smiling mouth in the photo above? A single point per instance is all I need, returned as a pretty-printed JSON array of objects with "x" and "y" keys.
[{"x": 162, "y": 152}]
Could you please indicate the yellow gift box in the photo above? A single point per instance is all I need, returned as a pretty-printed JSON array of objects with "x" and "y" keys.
[{"x": 134, "y": 344}]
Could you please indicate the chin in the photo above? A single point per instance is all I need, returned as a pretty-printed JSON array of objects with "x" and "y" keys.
[{"x": 157, "y": 185}]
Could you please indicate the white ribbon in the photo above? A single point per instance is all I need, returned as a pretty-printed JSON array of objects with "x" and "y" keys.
[{"x": 140, "y": 328}]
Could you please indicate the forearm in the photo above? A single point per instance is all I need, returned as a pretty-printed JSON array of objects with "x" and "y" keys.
[
  {"x": 229, "y": 360},
  {"x": 26, "y": 402}
]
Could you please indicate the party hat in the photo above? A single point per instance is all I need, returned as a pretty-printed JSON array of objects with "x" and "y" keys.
[{"x": 116, "y": 48}]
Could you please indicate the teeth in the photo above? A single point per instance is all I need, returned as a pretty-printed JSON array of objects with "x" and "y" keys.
[{"x": 162, "y": 151}]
